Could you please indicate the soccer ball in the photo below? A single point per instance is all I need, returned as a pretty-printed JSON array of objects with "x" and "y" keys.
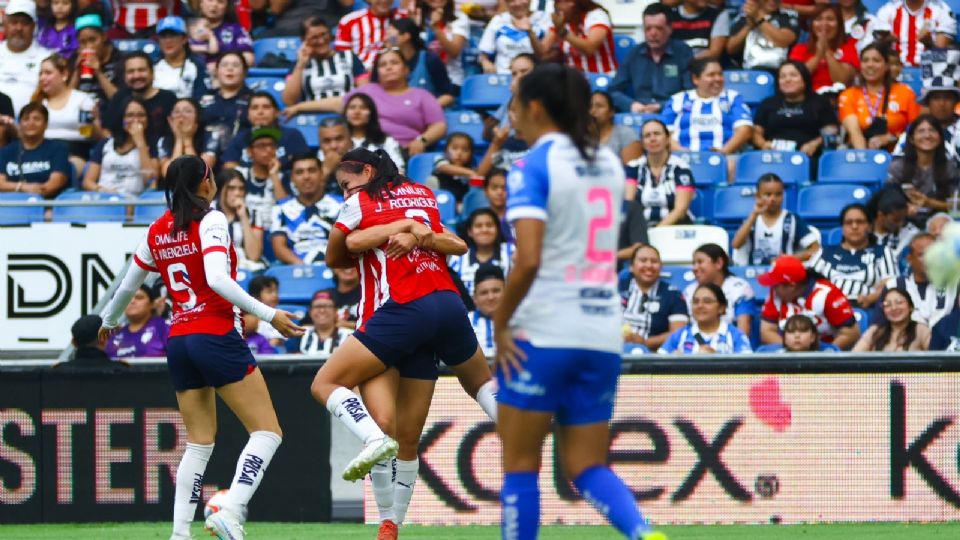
[
  {"x": 215, "y": 503},
  {"x": 943, "y": 257}
]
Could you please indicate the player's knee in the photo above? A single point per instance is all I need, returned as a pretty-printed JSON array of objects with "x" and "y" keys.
[
  {"x": 202, "y": 439},
  {"x": 319, "y": 391},
  {"x": 387, "y": 421}
]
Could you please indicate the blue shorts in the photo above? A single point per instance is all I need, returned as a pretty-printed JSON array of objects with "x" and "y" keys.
[
  {"x": 577, "y": 385},
  {"x": 202, "y": 360},
  {"x": 411, "y": 337}
]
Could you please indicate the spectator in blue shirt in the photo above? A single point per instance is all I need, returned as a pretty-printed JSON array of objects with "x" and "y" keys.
[
  {"x": 34, "y": 164},
  {"x": 263, "y": 111},
  {"x": 708, "y": 333},
  {"x": 652, "y": 308},
  {"x": 654, "y": 70},
  {"x": 300, "y": 225}
]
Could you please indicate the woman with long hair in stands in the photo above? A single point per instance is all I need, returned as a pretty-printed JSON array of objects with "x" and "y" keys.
[
  {"x": 708, "y": 332},
  {"x": 190, "y": 247},
  {"x": 711, "y": 264},
  {"x": 898, "y": 332}
]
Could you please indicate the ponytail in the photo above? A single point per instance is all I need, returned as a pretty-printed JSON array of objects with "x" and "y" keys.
[
  {"x": 386, "y": 176},
  {"x": 183, "y": 177},
  {"x": 565, "y": 96}
]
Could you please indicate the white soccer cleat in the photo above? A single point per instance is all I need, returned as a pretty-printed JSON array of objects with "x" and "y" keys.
[
  {"x": 371, "y": 454},
  {"x": 225, "y": 525},
  {"x": 181, "y": 537}
]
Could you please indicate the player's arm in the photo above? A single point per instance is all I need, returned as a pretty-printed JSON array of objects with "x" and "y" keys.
[
  {"x": 338, "y": 255},
  {"x": 361, "y": 240},
  {"x": 769, "y": 332},
  {"x": 141, "y": 264},
  {"x": 529, "y": 235}
]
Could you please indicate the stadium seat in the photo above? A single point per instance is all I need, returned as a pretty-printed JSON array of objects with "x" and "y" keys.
[
  {"x": 755, "y": 86},
  {"x": 145, "y": 215},
  {"x": 272, "y": 85},
  {"x": 702, "y": 205},
  {"x": 635, "y": 348},
  {"x": 633, "y": 120},
  {"x": 599, "y": 82},
  {"x": 309, "y": 126},
  {"x": 873, "y": 6},
  {"x": 731, "y": 205},
  {"x": 913, "y": 77},
  {"x": 954, "y": 7},
  {"x": 420, "y": 166},
  {"x": 621, "y": 46},
  {"x": 709, "y": 168},
  {"x": 487, "y": 91},
  {"x": 791, "y": 167},
  {"x": 285, "y": 47},
  {"x": 20, "y": 215},
  {"x": 834, "y": 237},
  {"x": 299, "y": 282},
  {"x": 854, "y": 167},
  {"x": 750, "y": 274},
  {"x": 821, "y": 203},
  {"x": 769, "y": 348},
  {"x": 677, "y": 276},
  {"x": 474, "y": 199},
  {"x": 87, "y": 214},
  {"x": 299, "y": 311},
  {"x": 447, "y": 204},
  {"x": 468, "y": 122},
  {"x": 863, "y": 319},
  {"x": 243, "y": 279},
  {"x": 148, "y": 46},
  {"x": 677, "y": 243}
]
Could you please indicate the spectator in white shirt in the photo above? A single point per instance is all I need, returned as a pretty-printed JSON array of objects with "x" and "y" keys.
[{"x": 20, "y": 55}]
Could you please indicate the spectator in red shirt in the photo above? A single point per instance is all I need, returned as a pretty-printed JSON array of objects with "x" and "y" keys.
[
  {"x": 796, "y": 290},
  {"x": 829, "y": 54}
]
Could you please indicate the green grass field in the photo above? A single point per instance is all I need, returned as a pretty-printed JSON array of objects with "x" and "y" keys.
[{"x": 285, "y": 531}]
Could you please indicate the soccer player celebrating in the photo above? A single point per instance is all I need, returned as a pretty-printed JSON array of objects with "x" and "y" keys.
[
  {"x": 190, "y": 247},
  {"x": 557, "y": 328}
]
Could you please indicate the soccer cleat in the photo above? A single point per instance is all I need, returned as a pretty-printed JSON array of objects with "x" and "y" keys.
[
  {"x": 374, "y": 452},
  {"x": 225, "y": 525},
  {"x": 388, "y": 531},
  {"x": 181, "y": 537},
  {"x": 653, "y": 535}
]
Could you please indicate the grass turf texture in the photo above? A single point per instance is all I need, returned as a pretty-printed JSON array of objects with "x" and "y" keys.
[{"x": 312, "y": 531}]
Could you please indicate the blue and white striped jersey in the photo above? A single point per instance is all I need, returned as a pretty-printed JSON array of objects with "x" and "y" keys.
[{"x": 700, "y": 124}]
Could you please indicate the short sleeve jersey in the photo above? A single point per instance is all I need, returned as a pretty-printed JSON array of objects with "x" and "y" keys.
[
  {"x": 405, "y": 279},
  {"x": 825, "y": 304},
  {"x": 177, "y": 255}
]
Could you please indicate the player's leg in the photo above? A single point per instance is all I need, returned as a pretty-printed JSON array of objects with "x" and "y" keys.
[
  {"x": 413, "y": 405},
  {"x": 522, "y": 434},
  {"x": 477, "y": 381},
  {"x": 380, "y": 396},
  {"x": 456, "y": 343},
  {"x": 199, "y": 412},
  {"x": 584, "y": 441}
]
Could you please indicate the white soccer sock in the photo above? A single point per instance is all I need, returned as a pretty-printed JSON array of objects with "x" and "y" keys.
[
  {"x": 349, "y": 409},
  {"x": 253, "y": 463},
  {"x": 487, "y": 398},
  {"x": 383, "y": 475},
  {"x": 407, "y": 472},
  {"x": 189, "y": 486}
]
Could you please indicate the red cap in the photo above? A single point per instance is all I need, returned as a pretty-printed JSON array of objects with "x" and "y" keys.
[
  {"x": 786, "y": 269},
  {"x": 322, "y": 295}
]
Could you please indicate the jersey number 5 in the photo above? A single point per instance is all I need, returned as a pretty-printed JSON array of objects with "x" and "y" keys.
[
  {"x": 180, "y": 281},
  {"x": 599, "y": 225}
]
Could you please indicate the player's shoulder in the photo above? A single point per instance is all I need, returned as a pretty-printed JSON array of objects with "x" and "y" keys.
[{"x": 214, "y": 219}]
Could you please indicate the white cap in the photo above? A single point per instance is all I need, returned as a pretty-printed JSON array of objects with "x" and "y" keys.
[{"x": 24, "y": 7}]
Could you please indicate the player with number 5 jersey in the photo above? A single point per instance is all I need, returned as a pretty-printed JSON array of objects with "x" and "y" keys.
[
  {"x": 190, "y": 247},
  {"x": 558, "y": 327}
]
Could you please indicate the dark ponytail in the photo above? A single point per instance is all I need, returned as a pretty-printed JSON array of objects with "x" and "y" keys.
[
  {"x": 183, "y": 177},
  {"x": 386, "y": 176},
  {"x": 565, "y": 95}
]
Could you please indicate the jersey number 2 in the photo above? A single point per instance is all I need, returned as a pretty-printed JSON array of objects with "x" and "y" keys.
[
  {"x": 180, "y": 281},
  {"x": 599, "y": 225}
]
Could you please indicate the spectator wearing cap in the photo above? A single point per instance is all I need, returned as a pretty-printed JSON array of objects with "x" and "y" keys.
[
  {"x": 918, "y": 25},
  {"x": 263, "y": 111},
  {"x": 97, "y": 63},
  {"x": 653, "y": 70},
  {"x": 178, "y": 71},
  {"x": 798, "y": 291},
  {"x": 20, "y": 54},
  {"x": 300, "y": 225},
  {"x": 323, "y": 334},
  {"x": 34, "y": 164},
  {"x": 488, "y": 286},
  {"x": 124, "y": 163},
  {"x": 88, "y": 351},
  {"x": 940, "y": 95},
  {"x": 266, "y": 182},
  {"x": 231, "y": 36},
  {"x": 225, "y": 109},
  {"x": 144, "y": 334},
  {"x": 55, "y": 31},
  {"x": 138, "y": 77}
]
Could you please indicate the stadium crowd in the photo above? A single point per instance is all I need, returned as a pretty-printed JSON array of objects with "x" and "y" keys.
[{"x": 97, "y": 98}]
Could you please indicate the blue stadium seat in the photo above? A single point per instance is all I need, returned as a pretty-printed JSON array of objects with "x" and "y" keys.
[
  {"x": 447, "y": 204},
  {"x": 21, "y": 215},
  {"x": 281, "y": 46},
  {"x": 913, "y": 77},
  {"x": 635, "y": 348},
  {"x": 487, "y": 91},
  {"x": 753, "y": 85},
  {"x": 420, "y": 166},
  {"x": 268, "y": 72},
  {"x": 854, "y": 167},
  {"x": 299, "y": 311},
  {"x": 709, "y": 168},
  {"x": 750, "y": 274},
  {"x": 145, "y": 215},
  {"x": 299, "y": 282},
  {"x": 834, "y": 237},
  {"x": 272, "y": 85},
  {"x": 873, "y": 6},
  {"x": 731, "y": 205},
  {"x": 863, "y": 319},
  {"x": 820, "y": 204},
  {"x": 309, "y": 126},
  {"x": 599, "y": 81},
  {"x": 678, "y": 276},
  {"x": 145, "y": 45},
  {"x": 954, "y": 7},
  {"x": 702, "y": 205},
  {"x": 87, "y": 214},
  {"x": 474, "y": 199},
  {"x": 468, "y": 122},
  {"x": 792, "y": 167},
  {"x": 622, "y": 45},
  {"x": 633, "y": 120},
  {"x": 243, "y": 278},
  {"x": 769, "y": 348}
]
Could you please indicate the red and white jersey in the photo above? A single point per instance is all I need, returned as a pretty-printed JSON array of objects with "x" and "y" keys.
[
  {"x": 364, "y": 33},
  {"x": 136, "y": 15},
  {"x": 934, "y": 16},
  {"x": 408, "y": 278},
  {"x": 602, "y": 61},
  {"x": 825, "y": 304},
  {"x": 178, "y": 257}
]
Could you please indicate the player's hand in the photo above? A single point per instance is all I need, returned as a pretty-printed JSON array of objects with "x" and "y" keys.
[
  {"x": 283, "y": 322},
  {"x": 400, "y": 244},
  {"x": 509, "y": 356},
  {"x": 104, "y": 334}
]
